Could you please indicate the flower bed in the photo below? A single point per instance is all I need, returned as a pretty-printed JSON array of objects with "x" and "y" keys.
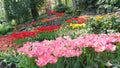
[
  {"x": 50, "y": 51},
  {"x": 87, "y": 45},
  {"x": 7, "y": 41}
]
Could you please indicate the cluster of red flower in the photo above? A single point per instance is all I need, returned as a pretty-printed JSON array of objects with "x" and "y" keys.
[
  {"x": 59, "y": 14},
  {"x": 35, "y": 32},
  {"x": 79, "y": 20},
  {"x": 6, "y": 42},
  {"x": 53, "y": 12},
  {"x": 49, "y": 19}
]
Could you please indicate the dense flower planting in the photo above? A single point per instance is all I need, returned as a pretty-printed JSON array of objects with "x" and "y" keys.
[
  {"x": 57, "y": 16},
  {"x": 4, "y": 42},
  {"x": 49, "y": 19},
  {"x": 53, "y": 12},
  {"x": 73, "y": 26},
  {"x": 79, "y": 20},
  {"x": 35, "y": 32},
  {"x": 7, "y": 41},
  {"x": 80, "y": 49},
  {"x": 50, "y": 34},
  {"x": 108, "y": 23},
  {"x": 98, "y": 17},
  {"x": 49, "y": 51}
]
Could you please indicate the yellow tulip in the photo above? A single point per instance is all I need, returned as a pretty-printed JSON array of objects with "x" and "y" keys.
[
  {"x": 98, "y": 17},
  {"x": 73, "y": 26}
]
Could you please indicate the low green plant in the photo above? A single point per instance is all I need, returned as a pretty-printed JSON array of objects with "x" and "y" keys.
[
  {"x": 26, "y": 62},
  {"x": 11, "y": 59},
  {"x": 24, "y": 40},
  {"x": 61, "y": 8},
  {"x": 8, "y": 59},
  {"x": 40, "y": 37},
  {"x": 46, "y": 36},
  {"x": 5, "y": 29}
]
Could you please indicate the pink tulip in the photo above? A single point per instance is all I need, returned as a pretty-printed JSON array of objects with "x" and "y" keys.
[{"x": 49, "y": 51}]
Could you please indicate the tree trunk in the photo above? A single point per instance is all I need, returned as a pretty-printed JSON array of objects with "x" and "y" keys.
[
  {"x": 74, "y": 4},
  {"x": 33, "y": 10},
  {"x": 74, "y": 7},
  {"x": 59, "y": 1},
  {"x": 66, "y": 2}
]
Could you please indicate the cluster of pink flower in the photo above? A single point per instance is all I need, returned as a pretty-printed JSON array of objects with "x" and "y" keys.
[{"x": 49, "y": 51}]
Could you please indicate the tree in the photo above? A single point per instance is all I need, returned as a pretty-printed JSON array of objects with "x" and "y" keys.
[
  {"x": 2, "y": 12},
  {"x": 59, "y": 1},
  {"x": 17, "y": 10},
  {"x": 66, "y": 2},
  {"x": 108, "y": 5},
  {"x": 74, "y": 7},
  {"x": 35, "y": 5},
  {"x": 80, "y": 6},
  {"x": 22, "y": 10},
  {"x": 33, "y": 9}
]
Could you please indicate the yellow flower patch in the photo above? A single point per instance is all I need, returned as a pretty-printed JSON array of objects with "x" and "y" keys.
[
  {"x": 73, "y": 26},
  {"x": 98, "y": 17}
]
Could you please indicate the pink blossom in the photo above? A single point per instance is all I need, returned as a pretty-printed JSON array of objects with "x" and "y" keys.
[
  {"x": 78, "y": 52},
  {"x": 70, "y": 53},
  {"x": 110, "y": 47},
  {"x": 100, "y": 48},
  {"x": 52, "y": 59},
  {"x": 42, "y": 61},
  {"x": 26, "y": 48},
  {"x": 49, "y": 51}
]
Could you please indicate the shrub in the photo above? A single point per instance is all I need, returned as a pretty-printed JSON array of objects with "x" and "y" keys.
[
  {"x": 8, "y": 59},
  {"x": 5, "y": 29},
  {"x": 107, "y": 6},
  {"x": 11, "y": 59},
  {"x": 61, "y": 8},
  {"x": 104, "y": 24}
]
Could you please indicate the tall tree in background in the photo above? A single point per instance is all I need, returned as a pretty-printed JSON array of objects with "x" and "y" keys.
[
  {"x": 22, "y": 10},
  {"x": 74, "y": 6},
  {"x": 34, "y": 11},
  {"x": 66, "y": 2},
  {"x": 59, "y": 2},
  {"x": 108, "y": 5},
  {"x": 80, "y": 6},
  {"x": 17, "y": 10},
  {"x": 2, "y": 12},
  {"x": 35, "y": 5}
]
